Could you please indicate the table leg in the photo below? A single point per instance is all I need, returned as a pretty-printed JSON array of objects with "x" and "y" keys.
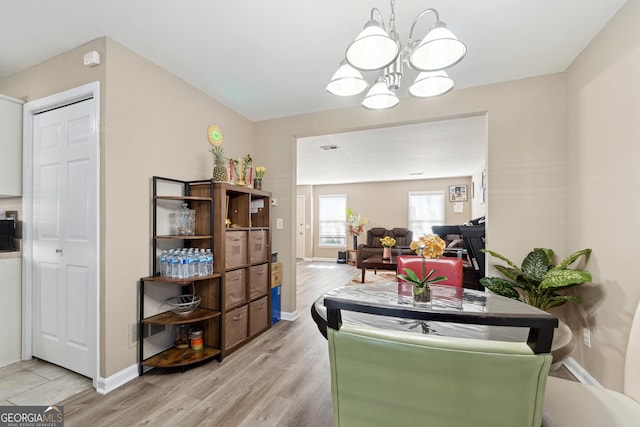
[{"x": 364, "y": 270}]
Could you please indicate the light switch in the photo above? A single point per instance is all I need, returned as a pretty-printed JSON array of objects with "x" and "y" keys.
[{"x": 279, "y": 223}]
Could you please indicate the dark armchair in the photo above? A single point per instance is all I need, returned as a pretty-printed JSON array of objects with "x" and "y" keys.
[{"x": 373, "y": 247}]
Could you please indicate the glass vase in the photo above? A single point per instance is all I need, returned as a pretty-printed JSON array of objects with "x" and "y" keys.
[
  {"x": 421, "y": 294},
  {"x": 185, "y": 221},
  {"x": 386, "y": 254},
  {"x": 257, "y": 183}
]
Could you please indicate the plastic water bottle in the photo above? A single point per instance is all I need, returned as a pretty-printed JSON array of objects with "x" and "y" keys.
[
  {"x": 175, "y": 265},
  {"x": 202, "y": 263},
  {"x": 163, "y": 264},
  {"x": 184, "y": 267},
  {"x": 193, "y": 263},
  {"x": 178, "y": 266},
  {"x": 209, "y": 262},
  {"x": 171, "y": 259}
]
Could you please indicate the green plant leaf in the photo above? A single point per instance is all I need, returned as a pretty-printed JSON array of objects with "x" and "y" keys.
[
  {"x": 557, "y": 300},
  {"x": 500, "y": 286},
  {"x": 536, "y": 264},
  {"x": 410, "y": 276},
  {"x": 501, "y": 257},
  {"x": 548, "y": 253},
  {"x": 437, "y": 279},
  {"x": 560, "y": 279},
  {"x": 511, "y": 273},
  {"x": 572, "y": 258}
]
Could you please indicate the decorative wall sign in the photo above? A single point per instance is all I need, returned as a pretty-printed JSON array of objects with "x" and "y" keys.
[{"x": 458, "y": 193}]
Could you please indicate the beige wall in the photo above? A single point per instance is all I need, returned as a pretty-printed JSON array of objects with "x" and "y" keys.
[
  {"x": 152, "y": 124},
  {"x": 602, "y": 175},
  {"x": 385, "y": 204},
  {"x": 155, "y": 125},
  {"x": 525, "y": 160}
]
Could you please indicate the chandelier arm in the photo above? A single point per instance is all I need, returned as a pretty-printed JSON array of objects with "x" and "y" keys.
[
  {"x": 381, "y": 21},
  {"x": 392, "y": 17},
  {"x": 415, "y": 21}
]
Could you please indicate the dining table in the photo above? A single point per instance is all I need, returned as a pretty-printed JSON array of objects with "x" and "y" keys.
[{"x": 452, "y": 311}]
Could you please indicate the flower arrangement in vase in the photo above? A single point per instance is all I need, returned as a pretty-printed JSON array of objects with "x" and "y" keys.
[
  {"x": 257, "y": 183},
  {"x": 428, "y": 246},
  {"x": 240, "y": 168},
  {"x": 355, "y": 224},
  {"x": 387, "y": 243}
]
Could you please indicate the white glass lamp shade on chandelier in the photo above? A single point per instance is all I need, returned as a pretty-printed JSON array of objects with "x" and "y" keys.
[{"x": 375, "y": 49}]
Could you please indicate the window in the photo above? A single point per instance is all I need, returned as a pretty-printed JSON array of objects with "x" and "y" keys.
[
  {"x": 332, "y": 221},
  {"x": 426, "y": 208}
]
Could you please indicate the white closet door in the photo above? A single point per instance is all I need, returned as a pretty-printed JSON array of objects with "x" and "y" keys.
[{"x": 65, "y": 161}]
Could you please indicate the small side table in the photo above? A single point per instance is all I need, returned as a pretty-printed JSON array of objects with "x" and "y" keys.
[{"x": 351, "y": 256}]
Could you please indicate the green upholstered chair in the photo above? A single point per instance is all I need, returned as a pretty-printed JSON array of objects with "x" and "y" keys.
[
  {"x": 573, "y": 404},
  {"x": 392, "y": 378}
]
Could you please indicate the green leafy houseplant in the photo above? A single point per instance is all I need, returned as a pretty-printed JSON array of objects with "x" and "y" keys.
[{"x": 537, "y": 281}]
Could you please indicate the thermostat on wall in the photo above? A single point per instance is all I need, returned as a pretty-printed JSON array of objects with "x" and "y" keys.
[{"x": 91, "y": 59}]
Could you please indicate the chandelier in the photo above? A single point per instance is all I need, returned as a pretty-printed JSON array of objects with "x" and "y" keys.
[{"x": 375, "y": 49}]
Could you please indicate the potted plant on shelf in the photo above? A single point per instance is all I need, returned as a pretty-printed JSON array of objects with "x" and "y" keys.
[
  {"x": 257, "y": 183},
  {"x": 240, "y": 168},
  {"x": 537, "y": 280},
  {"x": 387, "y": 243},
  {"x": 428, "y": 246}
]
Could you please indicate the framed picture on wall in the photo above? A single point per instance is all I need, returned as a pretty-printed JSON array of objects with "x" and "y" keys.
[{"x": 457, "y": 193}]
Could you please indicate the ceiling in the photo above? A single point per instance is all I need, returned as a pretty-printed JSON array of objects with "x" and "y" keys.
[
  {"x": 440, "y": 149},
  {"x": 270, "y": 59}
]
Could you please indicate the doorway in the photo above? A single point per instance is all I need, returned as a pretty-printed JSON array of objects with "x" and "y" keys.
[{"x": 61, "y": 245}]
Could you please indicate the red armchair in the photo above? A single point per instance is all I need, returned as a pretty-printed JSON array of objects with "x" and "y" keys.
[{"x": 450, "y": 267}]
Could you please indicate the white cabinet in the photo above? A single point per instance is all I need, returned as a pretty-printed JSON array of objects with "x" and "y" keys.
[
  {"x": 10, "y": 147},
  {"x": 11, "y": 313}
]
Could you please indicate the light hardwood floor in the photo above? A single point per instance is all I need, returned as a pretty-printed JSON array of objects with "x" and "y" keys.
[{"x": 280, "y": 379}]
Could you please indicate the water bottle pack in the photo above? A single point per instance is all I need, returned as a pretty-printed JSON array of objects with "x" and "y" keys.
[{"x": 185, "y": 263}]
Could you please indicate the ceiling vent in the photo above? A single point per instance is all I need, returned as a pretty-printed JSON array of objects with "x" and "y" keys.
[{"x": 329, "y": 147}]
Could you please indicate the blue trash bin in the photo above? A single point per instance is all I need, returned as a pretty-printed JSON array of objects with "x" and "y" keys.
[{"x": 275, "y": 304}]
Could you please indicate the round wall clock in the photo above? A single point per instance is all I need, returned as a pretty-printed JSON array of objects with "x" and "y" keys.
[{"x": 214, "y": 133}]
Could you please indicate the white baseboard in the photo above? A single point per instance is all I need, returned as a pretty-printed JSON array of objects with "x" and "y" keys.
[
  {"x": 579, "y": 372},
  {"x": 325, "y": 259},
  {"x": 289, "y": 316},
  {"x": 105, "y": 385}
]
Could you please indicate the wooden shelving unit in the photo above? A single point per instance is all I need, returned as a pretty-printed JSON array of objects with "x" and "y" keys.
[
  {"x": 199, "y": 195},
  {"x": 174, "y": 357},
  {"x": 242, "y": 253}
]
